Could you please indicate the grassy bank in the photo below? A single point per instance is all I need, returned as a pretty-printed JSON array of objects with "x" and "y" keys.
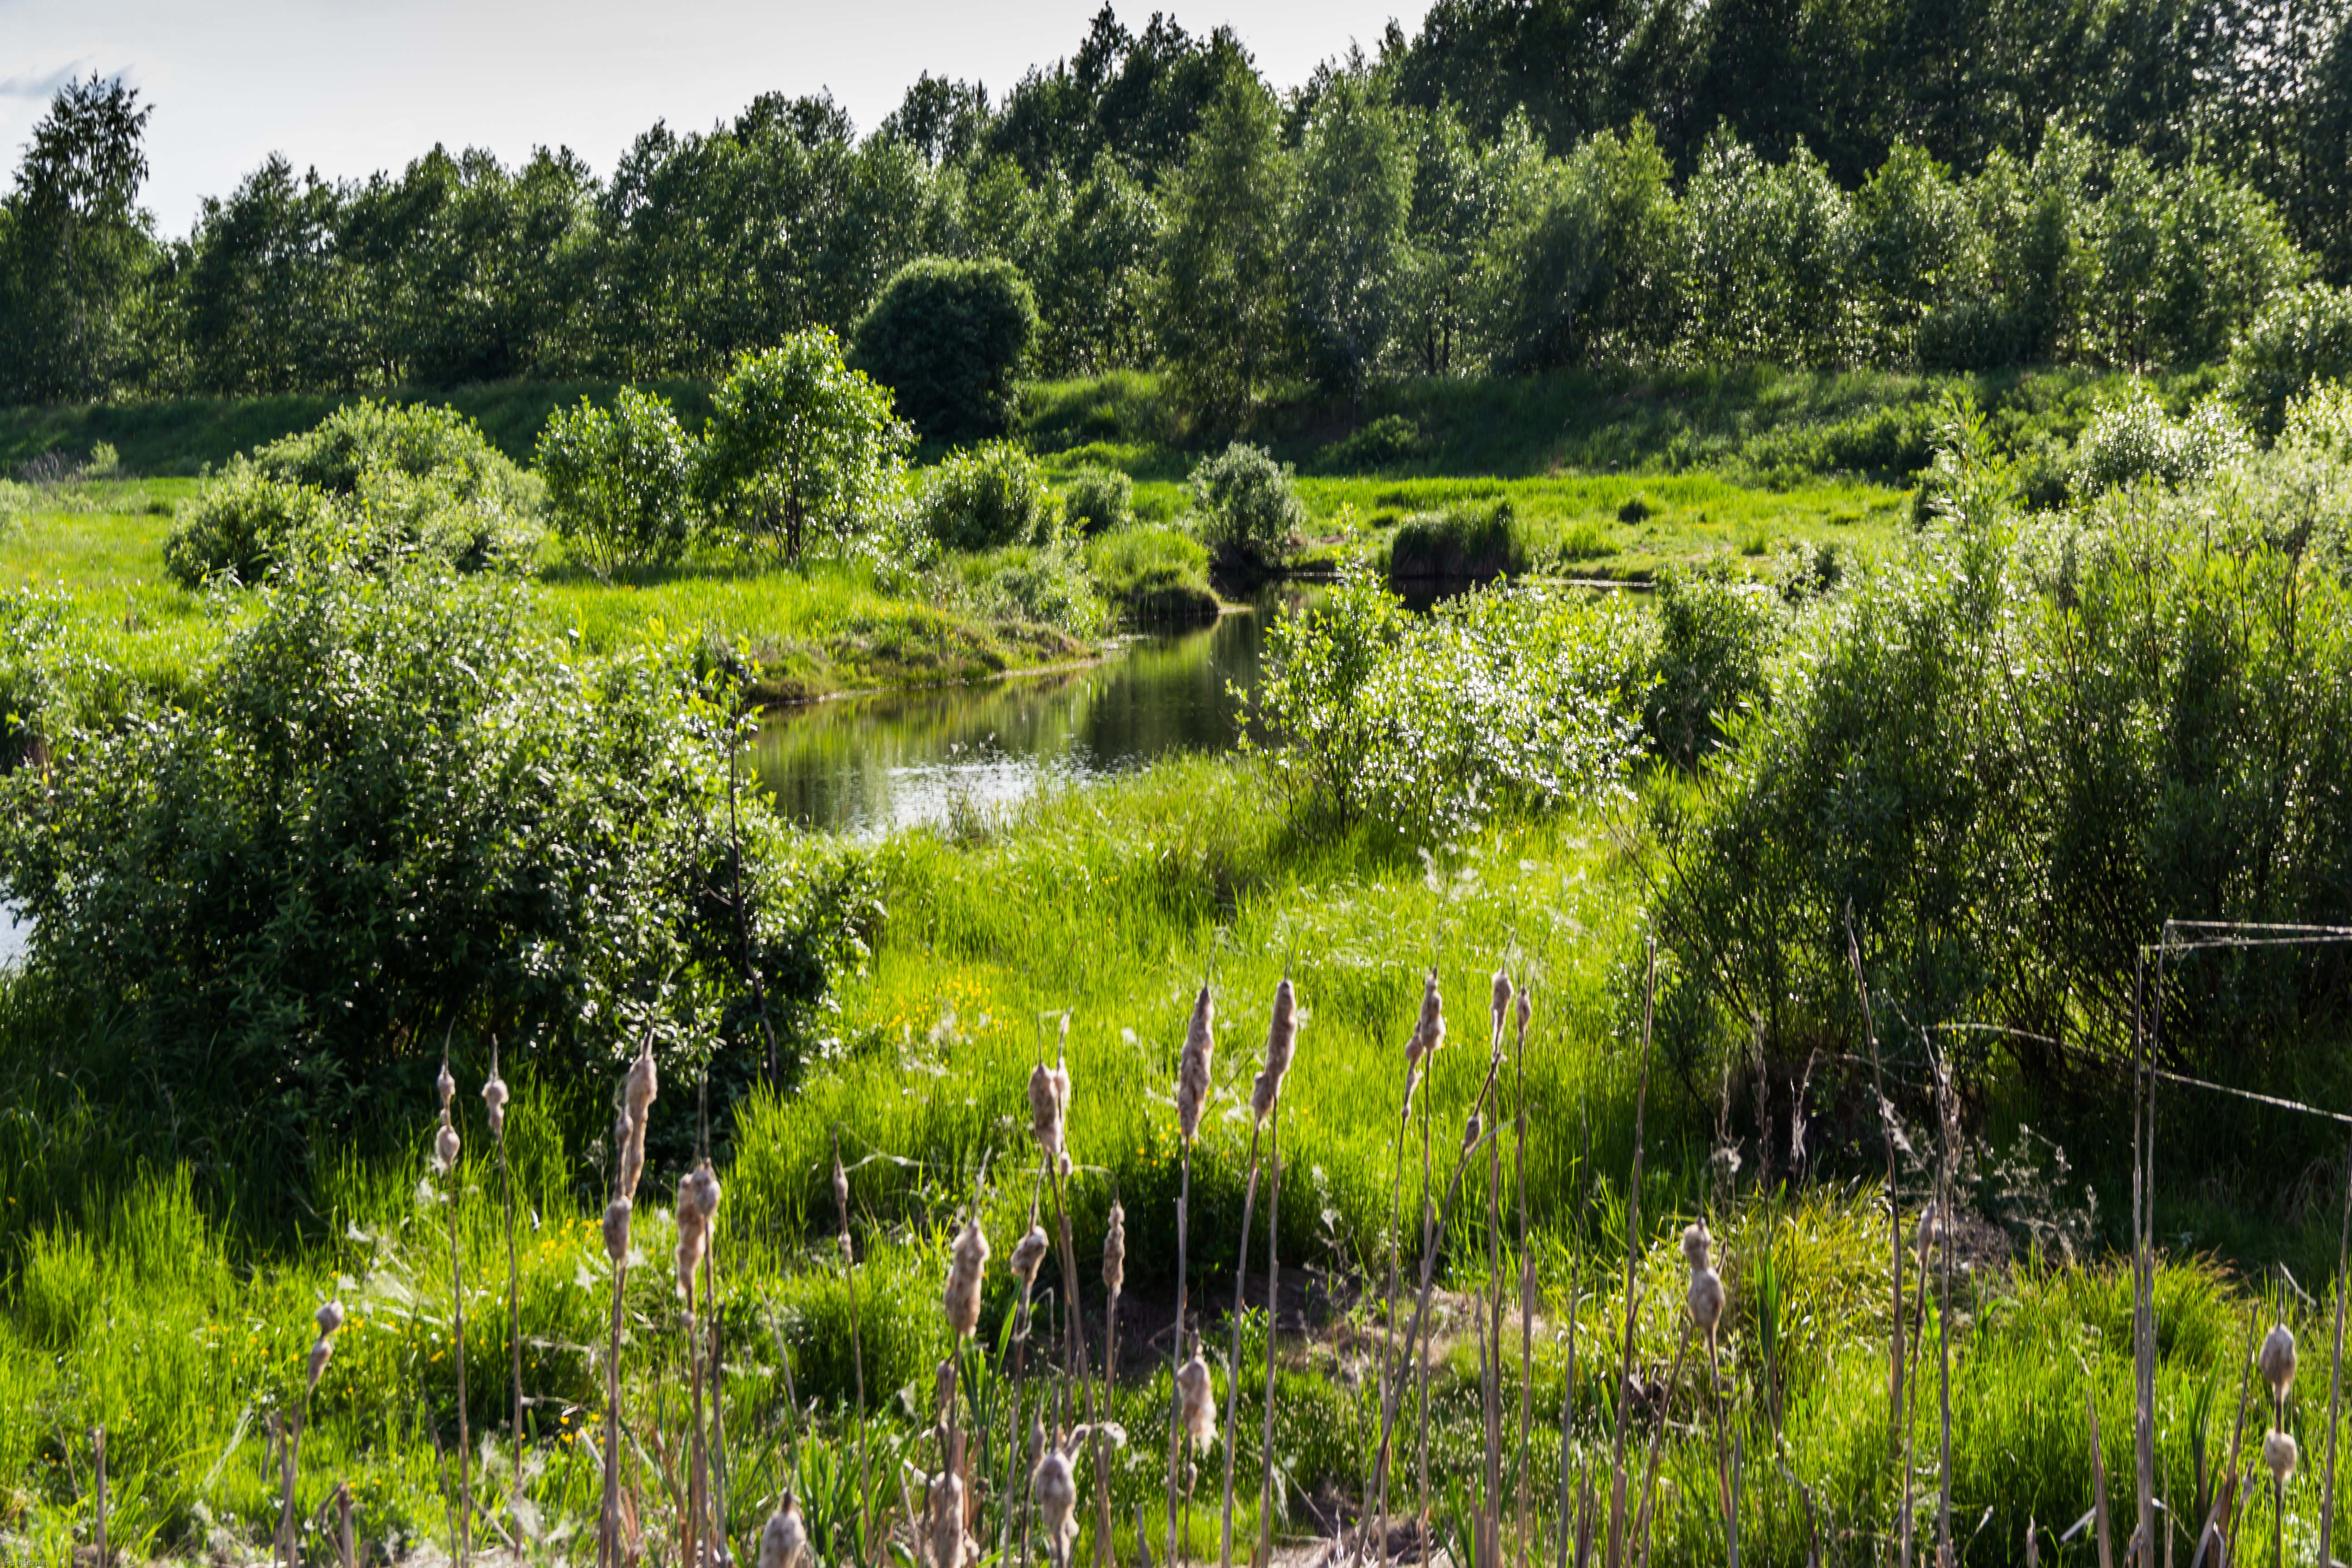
[{"x": 130, "y": 1304}]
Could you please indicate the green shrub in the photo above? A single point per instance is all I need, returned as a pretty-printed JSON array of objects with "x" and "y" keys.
[
  {"x": 1099, "y": 501},
  {"x": 1502, "y": 699},
  {"x": 1715, "y": 639},
  {"x": 2134, "y": 439},
  {"x": 989, "y": 497},
  {"x": 1045, "y": 585},
  {"x": 2300, "y": 338},
  {"x": 1155, "y": 576},
  {"x": 1387, "y": 442},
  {"x": 392, "y": 808},
  {"x": 420, "y": 440},
  {"x": 104, "y": 462},
  {"x": 1473, "y": 541},
  {"x": 619, "y": 481},
  {"x": 1247, "y": 511},
  {"x": 239, "y": 524},
  {"x": 799, "y": 444},
  {"x": 948, "y": 338}
]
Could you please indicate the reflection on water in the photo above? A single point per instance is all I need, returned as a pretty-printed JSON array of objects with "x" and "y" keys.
[
  {"x": 869, "y": 765},
  {"x": 13, "y": 935}
]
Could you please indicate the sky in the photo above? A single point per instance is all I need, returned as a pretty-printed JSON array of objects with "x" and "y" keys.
[{"x": 351, "y": 87}]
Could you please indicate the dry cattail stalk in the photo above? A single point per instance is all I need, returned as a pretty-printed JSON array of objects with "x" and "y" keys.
[
  {"x": 1281, "y": 1041},
  {"x": 1429, "y": 1033},
  {"x": 1028, "y": 1257},
  {"x": 1499, "y": 1007},
  {"x": 2276, "y": 1360},
  {"x": 1192, "y": 1080},
  {"x": 1049, "y": 1108},
  {"x": 445, "y": 1084},
  {"x": 697, "y": 1201},
  {"x": 950, "y": 1545},
  {"x": 445, "y": 1147},
  {"x": 1054, "y": 1490},
  {"x": 494, "y": 1102},
  {"x": 2279, "y": 1453},
  {"x": 636, "y": 1104},
  {"x": 1196, "y": 1403},
  {"x": 961, "y": 1298},
  {"x": 1115, "y": 1250},
  {"x": 617, "y": 1231},
  {"x": 330, "y": 1319},
  {"x": 784, "y": 1540}
]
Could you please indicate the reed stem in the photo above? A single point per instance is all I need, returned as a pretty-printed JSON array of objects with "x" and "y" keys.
[{"x": 1233, "y": 1360}]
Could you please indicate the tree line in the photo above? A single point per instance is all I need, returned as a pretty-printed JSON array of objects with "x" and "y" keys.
[{"x": 1519, "y": 184}]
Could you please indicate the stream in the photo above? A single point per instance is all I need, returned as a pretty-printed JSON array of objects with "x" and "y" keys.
[{"x": 869, "y": 765}]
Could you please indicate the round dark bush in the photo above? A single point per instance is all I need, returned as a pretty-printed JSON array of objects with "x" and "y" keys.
[{"x": 948, "y": 338}]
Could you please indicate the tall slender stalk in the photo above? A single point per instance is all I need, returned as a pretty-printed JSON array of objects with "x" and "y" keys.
[
  {"x": 1899, "y": 1429},
  {"x": 494, "y": 1100},
  {"x": 2336, "y": 1375},
  {"x": 857, "y": 1349},
  {"x": 1273, "y": 1321},
  {"x": 445, "y": 1157},
  {"x": 1575, "y": 1301},
  {"x": 1527, "y": 1269},
  {"x": 1194, "y": 1080},
  {"x": 1176, "y": 1355},
  {"x": 1234, "y": 1357},
  {"x": 1617, "y": 1540}
]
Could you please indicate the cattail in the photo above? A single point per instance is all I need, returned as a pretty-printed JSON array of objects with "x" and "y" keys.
[
  {"x": 494, "y": 1099},
  {"x": 1501, "y": 1005},
  {"x": 617, "y": 1231},
  {"x": 1115, "y": 1250},
  {"x": 962, "y": 1296},
  {"x": 1193, "y": 1068},
  {"x": 1056, "y": 1492},
  {"x": 1526, "y": 1011},
  {"x": 445, "y": 1086},
  {"x": 1281, "y": 1040},
  {"x": 630, "y": 1140},
  {"x": 444, "y": 1146},
  {"x": 1028, "y": 1257},
  {"x": 1429, "y": 1032},
  {"x": 1196, "y": 1401},
  {"x": 1049, "y": 1106},
  {"x": 2276, "y": 1359},
  {"x": 1472, "y": 1132},
  {"x": 2279, "y": 1453},
  {"x": 329, "y": 1318},
  {"x": 1705, "y": 1285},
  {"x": 948, "y": 1543},
  {"x": 643, "y": 1083},
  {"x": 693, "y": 1235},
  {"x": 784, "y": 1540}
]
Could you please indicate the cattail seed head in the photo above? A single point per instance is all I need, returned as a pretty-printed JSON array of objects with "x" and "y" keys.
[
  {"x": 1049, "y": 1106},
  {"x": 1281, "y": 1041},
  {"x": 1472, "y": 1131},
  {"x": 320, "y": 1350},
  {"x": 1196, "y": 1403},
  {"x": 1697, "y": 1245},
  {"x": 445, "y": 1086},
  {"x": 617, "y": 1231},
  {"x": 2276, "y": 1360},
  {"x": 962, "y": 1296},
  {"x": 642, "y": 1084},
  {"x": 445, "y": 1147},
  {"x": 1705, "y": 1296},
  {"x": 1193, "y": 1068},
  {"x": 1500, "y": 1007},
  {"x": 1526, "y": 1011},
  {"x": 693, "y": 1234},
  {"x": 2279, "y": 1453},
  {"x": 494, "y": 1097},
  {"x": 1429, "y": 1031},
  {"x": 1115, "y": 1250},
  {"x": 949, "y": 1541},
  {"x": 784, "y": 1540},
  {"x": 700, "y": 1191},
  {"x": 329, "y": 1318},
  {"x": 1028, "y": 1257},
  {"x": 840, "y": 1192},
  {"x": 1056, "y": 1492}
]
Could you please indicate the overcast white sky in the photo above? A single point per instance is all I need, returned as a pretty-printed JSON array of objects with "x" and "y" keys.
[{"x": 352, "y": 88}]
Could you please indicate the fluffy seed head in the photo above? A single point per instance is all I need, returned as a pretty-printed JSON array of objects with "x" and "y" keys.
[
  {"x": 1472, "y": 1131},
  {"x": 963, "y": 1298},
  {"x": 1695, "y": 1245},
  {"x": 329, "y": 1318},
  {"x": 1526, "y": 1011},
  {"x": 1028, "y": 1257},
  {"x": 445, "y": 1147},
  {"x": 700, "y": 1191},
  {"x": 637, "y": 1092},
  {"x": 945, "y": 1501},
  {"x": 1500, "y": 1007},
  {"x": 840, "y": 1192},
  {"x": 2279, "y": 1453},
  {"x": 693, "y": 1234},
  {"x": 784, "y": 1540},
  {"x": 616, "y": 1230},
  {"x": 493, "y": 1096},
  {"x": 1281, "y": 1041},
  {"x": 1049, "y": 1107},
  {"x": 2276, "y": 1359},
  {"x": 320, "y": 1350},
  {"x": 1429, "y": 1031},
  {"x": 1193, "y": 1066},
  {"x": 1115, "y": 1250},
  {"x": 1196, "y": 1401},
  {"x": 1705, "y": 1301},
  {"x": 445, "y": 1086},
  {"x": 1056, "y": 1492}
]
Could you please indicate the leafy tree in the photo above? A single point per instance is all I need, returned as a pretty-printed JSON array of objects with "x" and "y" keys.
[
  {"x": 798, "y": 443},
  {"x": 948, "y": 338},
  {"x": 1246, "y": 507},
  {"x": 1770, "y": 247},
  {"x": 1346, "y": 232},
  {"x": 268, "y": 305},
  {"x": 1462, "y": 192},
  {"x": 1094, "y": 283},
  {"x": 619, "y": 480},
  {"x": 988, "y": 497},
  {"x": 945, "y": 120},
  {"x": 1225, "y": 296},
  {"x": 1910, "y": 229},
  {"x": 74, "y": 245},
  {"x": 1586, "y": 270}
]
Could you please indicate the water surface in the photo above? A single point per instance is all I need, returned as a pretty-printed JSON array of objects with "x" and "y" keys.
[{"x": 870, "y": 764}]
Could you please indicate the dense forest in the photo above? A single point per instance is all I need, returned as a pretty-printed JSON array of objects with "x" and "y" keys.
[{"x": 1519, "y": 184}]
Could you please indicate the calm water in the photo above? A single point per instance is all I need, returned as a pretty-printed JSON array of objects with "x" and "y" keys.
[
  {"x": 12, "y": 936},
  {"x": 868, "y": 765}
]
